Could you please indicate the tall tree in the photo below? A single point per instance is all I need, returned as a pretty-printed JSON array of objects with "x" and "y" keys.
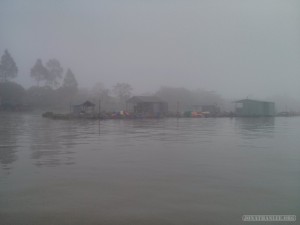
[
  {"x": 69, "y": 88},
  {"x": 39, "y": 72},
  {"x": 70, "y": 80},
  {"x": 55, "y": 72},
  {"x": 99, "y": 91},
  {"x": 8, "y": 67},
  {"x": 123, "y": 92}
]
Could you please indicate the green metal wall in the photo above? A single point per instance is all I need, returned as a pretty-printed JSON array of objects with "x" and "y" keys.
[{"x": 256, "y": 108}]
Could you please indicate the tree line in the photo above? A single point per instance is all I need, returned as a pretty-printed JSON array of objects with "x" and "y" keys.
[
  {"x": 56, "y": 88},
  {"x": 48, "y": 84},
  {"x": 50, "y": 74}
]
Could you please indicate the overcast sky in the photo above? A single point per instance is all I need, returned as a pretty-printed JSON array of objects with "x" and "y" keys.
[{"x": 238, "y": 48}]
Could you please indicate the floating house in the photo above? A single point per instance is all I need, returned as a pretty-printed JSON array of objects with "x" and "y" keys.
[
  {"x": 147, "y": 105},
  {"x": 85, "y": 108},
  {"x": 249, "y": 108}
]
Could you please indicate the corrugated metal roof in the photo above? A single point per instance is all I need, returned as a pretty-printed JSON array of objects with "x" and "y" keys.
[
  {"x": 251, "y": 100},
  {"x": 86, "y": 104}
]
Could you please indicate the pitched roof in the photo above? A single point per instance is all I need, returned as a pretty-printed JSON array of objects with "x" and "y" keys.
[
  {"x": 251, "y": 100},
  {"x": 137, "y": 99},
  {"x": 86, "y": 104}
]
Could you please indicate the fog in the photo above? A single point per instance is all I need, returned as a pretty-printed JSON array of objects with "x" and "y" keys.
[{"x": 237, "y": 48}]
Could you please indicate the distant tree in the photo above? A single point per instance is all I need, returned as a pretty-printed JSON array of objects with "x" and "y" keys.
[
  {"x": 208, "y": 97},
  {"x": 123, "y": 92},
  {"x": 187, "y": 99},
  {"x": 70, "y": 80},
  {"x": 55, "y": 72},
  {"x": 39, "y": 72},
  {"x": 11, "y": 93},
  {"x": 42, "y": 97},
  {"x": 8, "y": 67},
  {"x": 100, "y": 92},
  {"x": 69, "y": 89}
]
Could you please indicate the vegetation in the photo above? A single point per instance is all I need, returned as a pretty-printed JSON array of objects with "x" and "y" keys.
[
  {"x": 123, "y": 92},
  {"x": 54, "y": 74},
  {"x": 70, "y": 81},
  {"x": 183, "y": 99},
  {"x": 11, "y": 94},
  {"x": 54, "y": 89},
  {"x": 8, "y": 67},
  {"x": 39, "y": 72},
  {"x": 69, "y": 89}
]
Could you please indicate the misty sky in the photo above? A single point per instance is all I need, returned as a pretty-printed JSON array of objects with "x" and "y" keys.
[{"x": 238, "y": 48}]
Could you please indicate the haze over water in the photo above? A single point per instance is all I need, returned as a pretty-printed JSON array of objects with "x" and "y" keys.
[
  {"x": 168, "y": 171},
  {"x": 236, "y": 48}
]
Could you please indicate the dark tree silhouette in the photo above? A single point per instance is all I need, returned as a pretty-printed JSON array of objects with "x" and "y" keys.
[
  {"x": 55, "y": 72},
  {"x": 123, "y": 92},
  {"x": 39, "y": 72},
  {"x": 69, "y": 89},
  {"x": 70, "y": 80},
  {"x": 8, "y": 67},
  {"x": 11, "y": 93}
]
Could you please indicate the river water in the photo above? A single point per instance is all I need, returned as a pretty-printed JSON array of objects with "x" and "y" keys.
[{"x": 167, "y": 171}]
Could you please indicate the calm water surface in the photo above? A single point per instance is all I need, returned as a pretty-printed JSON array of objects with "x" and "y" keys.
[{"x": 169, "y": 171}]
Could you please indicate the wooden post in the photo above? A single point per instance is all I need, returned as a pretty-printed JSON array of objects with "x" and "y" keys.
[
  {"x": 99, "y": 107},
  {"x": 177, "y": 109},
  {"x": 99, "y": 114}
]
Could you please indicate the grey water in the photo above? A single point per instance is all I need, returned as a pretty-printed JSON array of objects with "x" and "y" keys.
[{"x": 166, "y": 171}]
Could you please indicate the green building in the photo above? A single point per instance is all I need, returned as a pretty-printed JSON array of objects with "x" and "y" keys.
[{"x": 249, "y": 107}]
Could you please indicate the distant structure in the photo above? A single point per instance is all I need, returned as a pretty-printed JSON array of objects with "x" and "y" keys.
[
  {"x": 249, "y": 108},
  {"x": 147, "y": 105},
  {"x": 86, "y": 107},
  {"x": 211, "y": 109}
]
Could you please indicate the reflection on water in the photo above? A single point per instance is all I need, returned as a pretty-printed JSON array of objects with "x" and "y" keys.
[
  {"x": 167, "y": 171},
  {"x": 254, "y": 132},
  {"x": 51, "y": 143},
  {"x": 11, "y": 127},
  {"x": 7, "y": 155},
  {"x": 254, "y": 127}
]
